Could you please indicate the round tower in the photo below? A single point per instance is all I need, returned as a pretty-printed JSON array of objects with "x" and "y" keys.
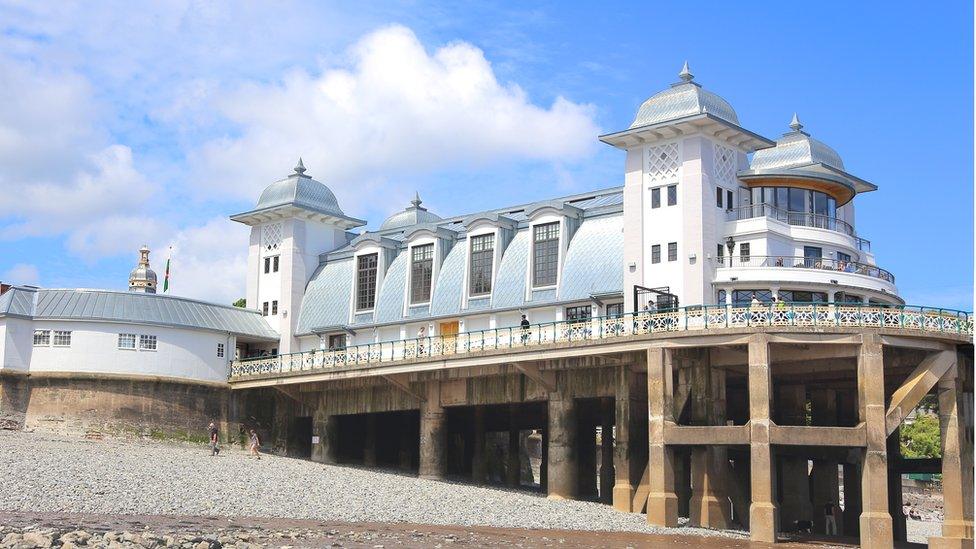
[{"x": 142, "y": 278}]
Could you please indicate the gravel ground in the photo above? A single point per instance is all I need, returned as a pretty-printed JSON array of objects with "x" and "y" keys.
[{"x": 43, "y": 473}]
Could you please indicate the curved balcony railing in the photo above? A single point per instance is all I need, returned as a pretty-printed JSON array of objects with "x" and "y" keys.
[
  {"x": 801, "y": 219},
  {"x": 795, "y": 262},
  {"x": 685, "y": 319}
]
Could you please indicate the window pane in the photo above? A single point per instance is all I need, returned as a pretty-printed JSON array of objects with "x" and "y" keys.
[
  {"x": 720, "y": 251},
  {"x": 656, "y": 198},
  {"x": 220, "y": 350},
  {"x": 718, "y": 197},
  {"x": 127, "y": 341},
  {"x": 267, "y": 265},
  {"x": 672, "y": 251},
  {"x": 615, "y": 309},
  {"x": 831, "y": 207},
  {"x": 42, "y": 337},
  {"x": 797, "y": 198},
  {"x": 757, "y": 195},
  {"x": 337, "y": 342},
  {"x": 62, "y": 338},
  {"x": 656, "y": 253},
  {"x": 672, "y": 195},
  {"x": 421, "y": 273},
  {"x": 744, "y": 252},
  {"x": 274, "y": 308},
  {"x": 729, "y": 198},
  {"x": 366, "y": 282},
  {"x": 819, "y": 203},
  {"x": 482, "y": 256},
  {"x": 275, "y": 267},
  {"x": 147, "y": 342},
  {"x": 545, "y": 254},
  {"x": 579, "y": 314},
  {"x": 782, "y": 198}
]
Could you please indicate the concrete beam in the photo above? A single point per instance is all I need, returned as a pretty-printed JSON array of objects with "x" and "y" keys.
[
  {"x": 706, "y": 435},
  {"x": 918, "y": 384},
  {"x": 545, "y": 379},
  {"x": 289, "y": 391},
  {"x": 400, "y": 381},
  {"x": 817, "y": 338},
  {"x": 790, "y": 435},
  {"x": 915, "y": 343}
]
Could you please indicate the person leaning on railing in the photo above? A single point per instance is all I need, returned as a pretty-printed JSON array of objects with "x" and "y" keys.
[{"x": 525, "y": 325}]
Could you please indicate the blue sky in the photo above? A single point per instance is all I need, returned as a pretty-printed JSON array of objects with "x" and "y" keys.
[{"x": 122, "y": 126}]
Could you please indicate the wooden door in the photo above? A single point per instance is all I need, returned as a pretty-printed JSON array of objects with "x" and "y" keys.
[{"x": 448, "y": 332}]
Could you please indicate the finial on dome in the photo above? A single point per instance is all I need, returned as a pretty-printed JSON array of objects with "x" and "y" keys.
[
  {"x": 685, "y": 73},
  {"x": 416, "y": 200},
  {"x": 795, "y": 123},
  {"x": 300, "y": 168}
]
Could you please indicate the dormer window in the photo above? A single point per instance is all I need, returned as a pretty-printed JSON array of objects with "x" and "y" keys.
[
  {"x": 545, "y": 254},
  {"x": 366, "y": 281},
  {"x": 482, "y": 253},
  {"x": 421, "y": 273}
]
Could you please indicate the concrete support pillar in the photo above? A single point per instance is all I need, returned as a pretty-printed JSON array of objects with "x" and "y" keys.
[
  {"x": 433, "y": 434},
  {"x": 478, "y": 465},
  {"x": 794, "y": 475},
  {"x": 852, "y": 499},
  {"x": 875, "y": 519},
  {"x": 606, "y": 452},
  {"x": 823, "y": 478},
  {"x": 325, "y": 428},
  {"x": 709, "y": 505},
  {"x": 899, "y": 527},
  {"x": 662, "y": 502},
  {"x": 561, "y": 437},
  {"x": 544, "y": 466},
  {"x": 369, "y": 441},
  {"x": 763, "y": 514},
  {"x": 513, "y": 468},
  {"x": 624, "y": 481},
  {"x": 957, "y": 475}
]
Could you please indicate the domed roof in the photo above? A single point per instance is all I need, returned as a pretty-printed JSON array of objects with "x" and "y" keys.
[
  {"x": 683, "y": 99},
  {"x": 142, "y": 273},
  {"x": 142, "y": 278},
  {"x": 796, "y": 148},
  {"x": 413, "y": 215},
  {"x": 300, "y": 190}
]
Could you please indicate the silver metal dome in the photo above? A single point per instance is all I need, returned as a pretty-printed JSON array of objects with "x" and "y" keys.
[
  {"x": 683, "y": 99},
  {"x": 301, "y": 190},
  {"x": 796, "y": 148},
  {"x": 142, "y": 278},
  {"x": 413, "y": 215}
]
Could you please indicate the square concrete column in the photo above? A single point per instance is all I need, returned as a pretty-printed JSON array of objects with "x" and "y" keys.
[
  {"x": 513, "y": 467},
  {"x": 561, "y": 437},
  {"x": 433, "y": 434},
  {"x": 763, "y": 514},
  {"x": 662, "y": 502},
  {"x": 794, "y": 475},
  {"x": 823, "y": 478},
  {"x": 957, "y": 477},
  {"x": 606, "y": 451},
  {"x": 623, "y": 486},
  {"x": 876, "y": 527},
  {"x": 325, "y": 428},
  {"x": 478, "y": 466},
  {"x": 369, "y": 441},
  {"x": 709, "y": 505}
]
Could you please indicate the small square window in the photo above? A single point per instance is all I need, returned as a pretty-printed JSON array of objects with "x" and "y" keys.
[
  {"x": 274, "y": 307},
  {"x": 220, "y": 350},
  {"x": 656, "y": 253},
  {"x": 672, "y": 251},
  {"x": 62, "y": 338},
  {"x": 672, "y": 195},
  {"x": 147, "y": 342},
  {"x": 127, "y": 341},
  {"x": 264, "y": 308},
  {"x": 656, "y": 197},
  {"x": 42, "y": 338}
]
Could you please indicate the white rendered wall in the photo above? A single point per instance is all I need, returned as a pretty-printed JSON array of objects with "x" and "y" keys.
[
  {"x": 180, "y": 353},
  {"x": 16, "y": 340}
]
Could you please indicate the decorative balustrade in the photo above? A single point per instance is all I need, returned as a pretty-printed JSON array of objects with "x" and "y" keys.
[
  {"x": 797, "y": 262},
  {"x": 695, "y": 318},
  {"x": 801, "y": 219}
]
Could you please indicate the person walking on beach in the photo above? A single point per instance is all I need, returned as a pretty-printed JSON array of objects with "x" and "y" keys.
[
  {"x": 214, "y": 447},
  {"x": 255, "y": 444}
]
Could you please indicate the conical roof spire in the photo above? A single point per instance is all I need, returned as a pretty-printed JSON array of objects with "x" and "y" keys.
[
  {"x": 685, "y": 73},
  {"x": 416, "y": 200},
  {"x": 795, "y": 123},
  {"x": 300, "y": 168}
]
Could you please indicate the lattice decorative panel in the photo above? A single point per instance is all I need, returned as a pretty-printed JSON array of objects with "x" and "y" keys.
[
  {"x": 662, "y": 163},
  {"x": 271, "y": 237},
  {"x": 724, "y": 164}
]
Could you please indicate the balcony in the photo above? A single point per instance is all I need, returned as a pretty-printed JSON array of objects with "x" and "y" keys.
[
  {"x": 799, "y": 219},
  {"x": 608, "y": 330},
  {"x": 815, "y": 263}
]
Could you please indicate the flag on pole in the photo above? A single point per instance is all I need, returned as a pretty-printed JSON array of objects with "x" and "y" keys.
[{"x": 166, "y": 277}]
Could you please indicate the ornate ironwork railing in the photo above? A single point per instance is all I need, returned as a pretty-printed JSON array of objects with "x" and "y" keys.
[
  {"x": 801, "y": 219},
  {"x": 695, "y": 318},
  {"x": 797, "y": 262}
]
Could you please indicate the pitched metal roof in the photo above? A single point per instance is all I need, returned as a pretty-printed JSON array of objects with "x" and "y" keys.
[
  {"x": 135, "y": 308},
  {"x": 446, "y": 299},
  {"x": 389, "y": 302},
  {"x": 595, "y": 259},
  {"x": 327, "y": 297}
]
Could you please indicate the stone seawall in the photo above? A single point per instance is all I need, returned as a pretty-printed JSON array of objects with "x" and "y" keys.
[{"x": 103, "y": 405}]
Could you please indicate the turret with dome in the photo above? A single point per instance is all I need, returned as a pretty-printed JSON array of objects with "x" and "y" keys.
[
  {"x": 142, "y": 278},
  {"x": 414, "y": 214}
]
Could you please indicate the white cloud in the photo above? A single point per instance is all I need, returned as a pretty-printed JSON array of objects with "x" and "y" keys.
[
  {"x": 21, "y": 273},
  {"x": 394, "y": 109},
  {"x": 209, "y": 261}
]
